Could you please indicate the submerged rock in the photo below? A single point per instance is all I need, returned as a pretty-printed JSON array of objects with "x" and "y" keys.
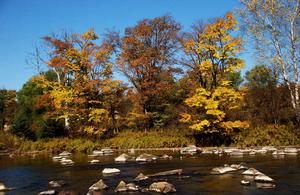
[
  {"x": 123, "y": 158},
  {"x": 263, "y": 178},
  {"x": 141, "y": 177},
  {"x": 47, "y": 192},
  {"x": 110, "y": 171},
  {"x": 162, "y": 187},
  {"x": 222, "y": 170},
  {"x": 99, "y": 185},
  {"x": 252, "y": 171},
  {"x": 265, "y": 185},
  {"x": 56, "y": 184},
  {"x": 146, "y": 158}
]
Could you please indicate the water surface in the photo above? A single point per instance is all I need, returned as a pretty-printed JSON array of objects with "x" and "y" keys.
[{"x": 30, "y": 175}]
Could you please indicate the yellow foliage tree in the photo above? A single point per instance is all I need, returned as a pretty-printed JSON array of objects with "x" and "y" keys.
[{"x": 215, "y": 96}]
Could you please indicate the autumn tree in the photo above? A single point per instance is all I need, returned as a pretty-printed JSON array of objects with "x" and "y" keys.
[
  {"x": 147, "y": 58},
  {"x": 273, "y": 27},
  {"x": 83, "y": 80},
  {"x": 215, "y": 51},
  {"x": 8, "y": 107}
]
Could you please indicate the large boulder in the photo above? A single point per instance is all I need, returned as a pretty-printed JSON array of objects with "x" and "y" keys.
[
  {"x": 162, "y": 187},
  {"x": 99, "y": 185}
]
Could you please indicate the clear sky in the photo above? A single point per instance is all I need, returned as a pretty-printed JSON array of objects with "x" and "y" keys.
[{"x": 24, "y": 22}]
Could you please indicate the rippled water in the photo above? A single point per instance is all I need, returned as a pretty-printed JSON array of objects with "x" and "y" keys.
[{"x": 30, "y": 175}]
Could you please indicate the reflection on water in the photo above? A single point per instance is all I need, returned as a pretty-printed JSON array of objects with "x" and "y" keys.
[{"x": 30, "y": 175}]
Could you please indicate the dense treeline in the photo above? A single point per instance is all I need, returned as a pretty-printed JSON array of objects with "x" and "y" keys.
[{"x": 174, "y": 80}]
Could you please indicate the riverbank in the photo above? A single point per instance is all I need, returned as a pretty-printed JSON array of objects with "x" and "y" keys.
[{"x": 153, "y": 140}]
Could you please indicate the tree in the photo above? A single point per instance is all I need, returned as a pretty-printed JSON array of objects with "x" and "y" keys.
[
  {"x": 275, "y": 30},
  {"x": 83, "y": 82},
  {"x": 147, "y": 58},
  {"x": 8, "y": 107},
  {"x": 215, "y": 95}
]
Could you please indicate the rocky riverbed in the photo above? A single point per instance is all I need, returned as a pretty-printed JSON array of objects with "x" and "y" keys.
[{"x": 176, "y": 171}]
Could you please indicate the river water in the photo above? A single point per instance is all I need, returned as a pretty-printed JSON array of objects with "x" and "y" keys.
[{"x": 30, "y": 175}]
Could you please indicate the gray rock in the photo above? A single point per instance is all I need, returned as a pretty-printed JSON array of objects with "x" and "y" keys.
[
  {"x": 121, "y": 187},
  {"x": 141, "y": 177},
  {"x": 162, "y": 187},
  {"x": 132, "y": 187},
  {"x": 47, "y": 192},
  {"x": 166, "y": 157},
  {"x": 99, "y": 185},
  {"x": 123, "y": 158},
  {"x": 222, "y": 170},
  {"x": 3, "y": 187},
  {"x": 245, "y": 182},
  {"x": 252, "y": 172},
  {"x": 56, "y": 184},
  {"x": 263, "y": 178},
  {"x": 145, "y": 158}
]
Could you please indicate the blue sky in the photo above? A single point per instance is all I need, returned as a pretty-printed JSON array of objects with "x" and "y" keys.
[{"x": 24, "y": 22}]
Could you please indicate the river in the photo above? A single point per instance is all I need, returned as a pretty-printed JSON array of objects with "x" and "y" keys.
[{"x": 31, "y": 174}]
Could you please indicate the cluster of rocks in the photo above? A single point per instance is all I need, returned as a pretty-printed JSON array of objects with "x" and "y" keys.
[
  {"x": 141, "y": 158},
  {"x": 64, "y": 158},
  {"x": 264, "y": 150},
  {"x": 251, "y": 174}
]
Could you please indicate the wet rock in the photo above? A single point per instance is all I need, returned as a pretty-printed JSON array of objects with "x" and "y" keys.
[
  {"x": 56, "y": 158},
  {"x": 265, "y": 185},
  {"x": 141, "y": 177},
  {"x": 65, "y": 161},
  {"x": 65, "y": 154},
  {"x": 67, "y": 192},
  {"x": 263, "y": 178},
  {"x": 238, "y": 166},
  {"x": 146, "y": 158},
  {"x": 132, "y": 187},
  {"x": 123, "y": 158},
  {"x": 100, "y": 185},
  {"x": 165, "y": 173},
  {"x": 97, "y": 153},
  {"x": 110, "y": 171},
  {"x": 189, "y": 150},
  {"x": 56, "y": 184},
  {"x": 95, "y": 161},
  {"x": 4, "y": 188},
  {"x": 121, "y": 187},
  {"x": 278, "y": 153},
  {"x": 222, "y": 170},
  {"x": 47, "y": 192},
  {"x": 245, "y": 182},
  {"x": 162, "y": 187},
  {"x": 252, "y": 172},
  {"x": 107, "y": 151},
  {"x": 291, "y": 151},
  {"x": 166, "y": 157}
]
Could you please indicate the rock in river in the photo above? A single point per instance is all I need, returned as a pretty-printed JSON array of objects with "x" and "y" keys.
[
  {"x": 245, "y": 182},
  {"x": 121, "y": 187},
  {"x": 252, "y": 172},
  {"x": 56, "y": 184},
  {"x": 47, "y": 192},
  {"x": 141, "y": 177},
  {"x": 123, "y": 158},
  {"x": 162, "y": 187},
  {"x": 4, "y": 188},
  {"x": 65, "y": 154},
  {"x": 263, "y": 178},
  {"x": 100, "y": 185},
  {"x": 145, "y": 158},
  {"x": 111, "y": 171},
  {"x": 222, "y": 170}
]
